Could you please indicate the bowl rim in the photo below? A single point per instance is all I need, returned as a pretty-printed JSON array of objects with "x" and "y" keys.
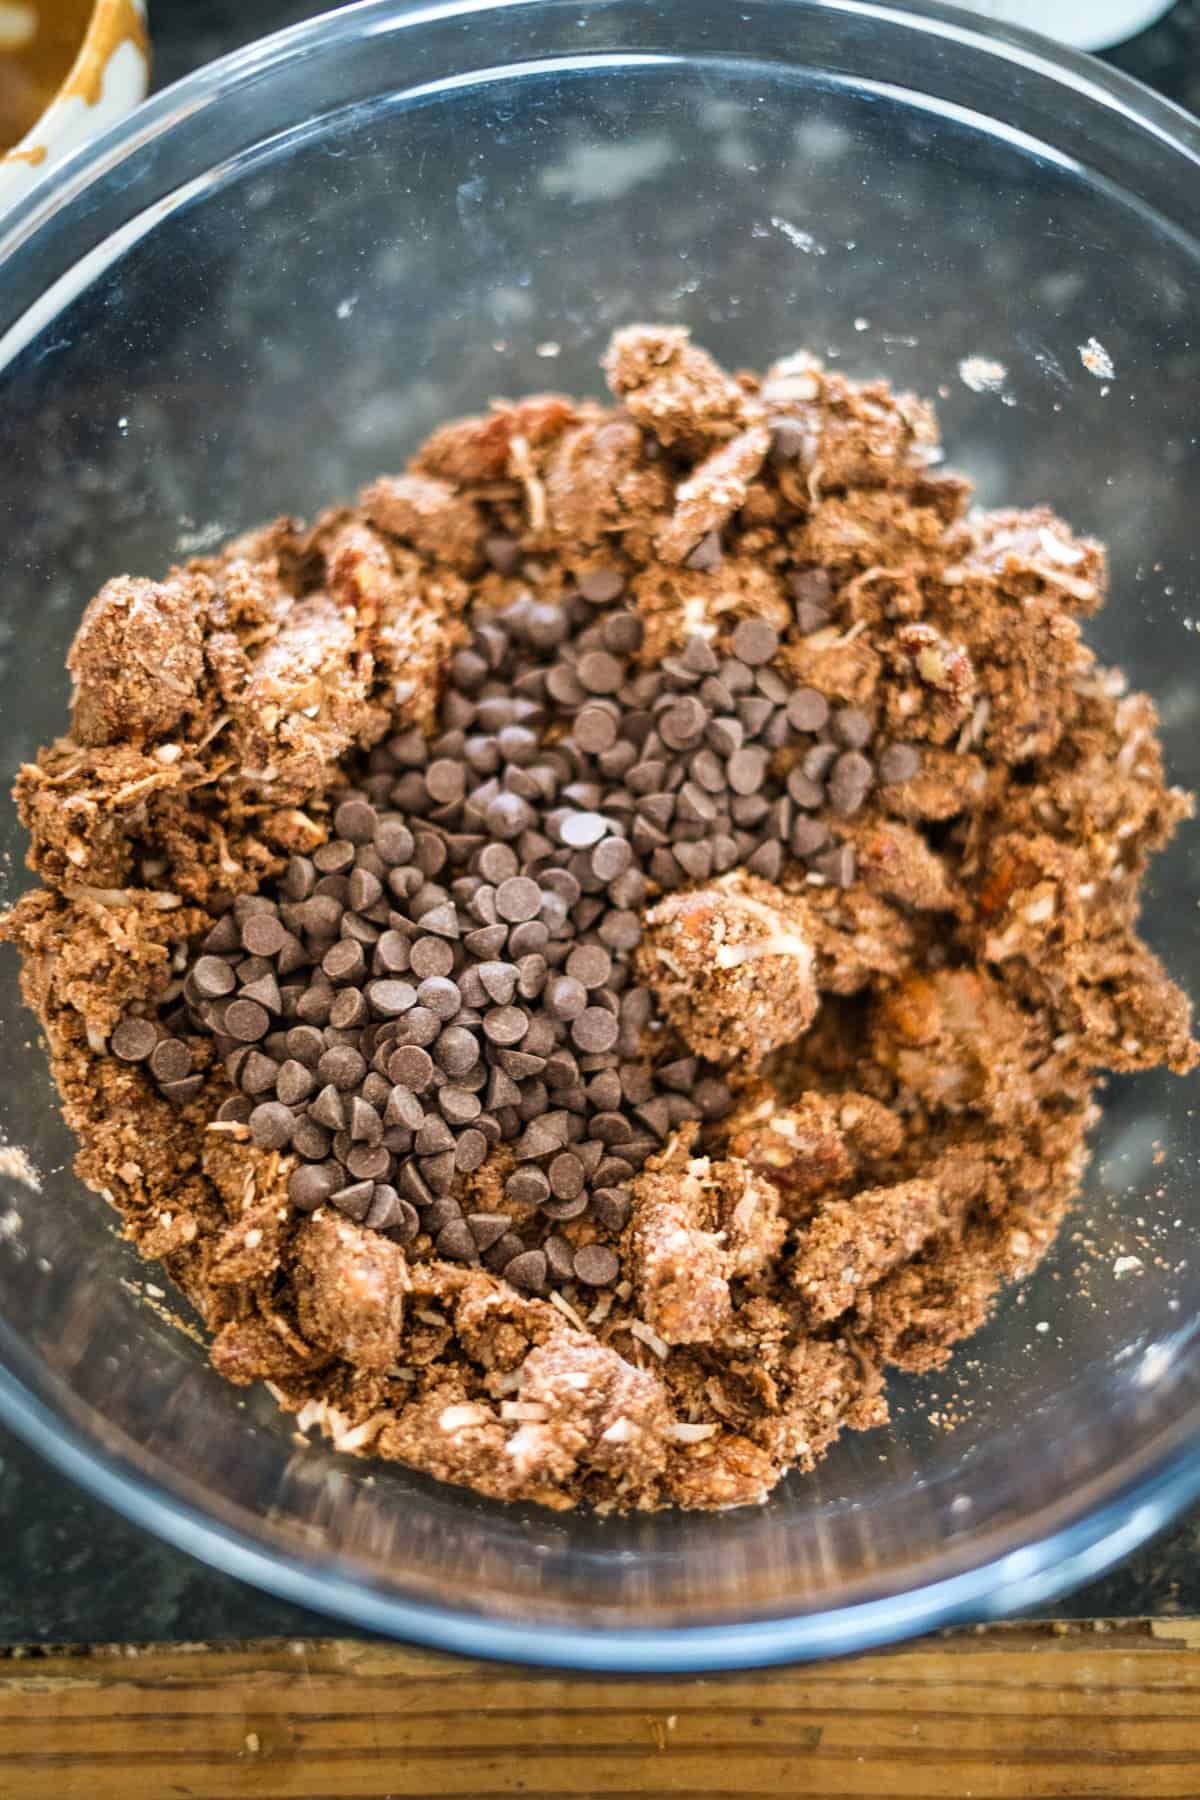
[
  {"x": 1088, "y": 1534},
  {"x": 1019, "y": 1577},
  {"x": 1084, "y": 75}
]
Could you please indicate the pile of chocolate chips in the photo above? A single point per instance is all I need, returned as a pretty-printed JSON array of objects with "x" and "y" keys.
[{"x": 452, "y": 970}]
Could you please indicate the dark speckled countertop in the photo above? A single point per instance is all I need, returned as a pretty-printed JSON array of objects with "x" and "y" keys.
[{"x": 73, "y": 1572}]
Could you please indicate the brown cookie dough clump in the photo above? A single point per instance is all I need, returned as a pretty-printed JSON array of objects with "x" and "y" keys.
[
  {"x": 577, "y": 962},
  {"x": 732, "y": 967}
]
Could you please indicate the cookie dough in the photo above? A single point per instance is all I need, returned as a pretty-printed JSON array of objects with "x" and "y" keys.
[{"x": 578, "y": 962}]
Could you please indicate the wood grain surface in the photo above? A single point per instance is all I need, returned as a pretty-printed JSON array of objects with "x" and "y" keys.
[{"x": 1041, "y": 1713}]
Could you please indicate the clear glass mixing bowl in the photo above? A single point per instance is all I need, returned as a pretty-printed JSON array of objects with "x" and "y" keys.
[{"x": 266, "y": 286}]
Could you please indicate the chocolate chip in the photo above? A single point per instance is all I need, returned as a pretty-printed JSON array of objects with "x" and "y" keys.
[
  {"x": 170, "y": 1060},
  {"x": 456, "y": 1241},
  {"x": 695, "y": 860},
  {"x": 213, "y": 978},
  {"x": 364, "y": 1123},
  {"x": 348, "y": 1010},
  {"x": 596, "y": 1266},
  {"x": 754, "y": 713},
  {"x": 444, "y": 778},
  {"x": 849, "y": 782},
  {"x": 366, "y": 889},
  {"x": 470, "y": 1152},
  {"x": 418, "y": 1026},
  {"x": 767, "y": 861},
  {"x": 811, "y": 586},
  {"x": 623, "y": 633},
  {"x": 389, "y": 999},
  {"x": 804, "y": 790},
  {"x": 438, "y": 1171},
  {"x": 505, "y": 1025},
  {"x": 621, "y": 929},
  {"x": 224, "y": 936},
  {"x": 503, "y": 1251},
  {"x": 133, "y": 1039},
  {"x": 852, "y": 727},
  {"x": 595, "y": 730},
  {"x": 565, "y": 997},
  {"x": 707, "y": 555},
  {"x": 440, "y": 919},
  {"x": 311, "y": 1140},
  {"x": 817, "y": 762},
  {"x": 329, "y": 1109},
  {"x": 434, "y": 1136},
  {"x": 807, "y": 710},
  {"x": 263, "y": 934},
  {"x": 807, "y": 837},
  {"x": 611, "y": 1207},
  {"x": 788, "y": 439},
  {"x": 682, "y": 725},
  {"x": 406, "y": 1224},
  {"x": 394, "y": 842},
  {"x": 837, "y": 865},
  {"x": 334, "y": 858},
  {"x": 899, "y": 762},
  {"x": 246, "y": 1020},
  {"x": 580, "y": 830},
  {"x": 341, "y": 1067},
  {"x": 265, "y": 990},
  {"x": 600, "y": 672},
  {"x": 387, "y": 1211},
  {"x": 560, "y": 1258},
  {"x": 755, "y": 641},
  {"x": 746, "y": 770},
  {"x": 456, "y": 1051},
  {"x": 529, "y": 1187},
  {"x": 595, "y": 1029},
  {"x": 518, "y": 898},
  {"x": 369, "y": 1162},
  {"x": 431, "y": 956},
  {"x": 487, "y": 1228},
  {"x": 412, "y": 1067},
  {"x": 299, "y": 880},
  {"x": 590, "y": 965},
  {"x": 294, "y": 1083},
  {"x": 314, "y": 1184},
  {"x": 459, "y": 1105},
  {"x": 356, "y": 820},
  {"x": 713, "y": 1097},
  {"x": 402, "y": 1108},
  {"x": 180, "y": 1092},
  {"x": 271, "y": 1125},
  {"x": 354, "y": 1200},
  {"x": 528, "y": 938},
  {"x": 772, "y": 686},
  {"x": 601, "y": 585},
  {"x": 566, "y": 1176},
  {"x": 504, "y": 554},
  {"x": 527, "y": 1271}
]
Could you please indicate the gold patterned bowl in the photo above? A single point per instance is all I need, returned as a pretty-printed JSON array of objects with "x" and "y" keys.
[{"x": 68, "y": 68}]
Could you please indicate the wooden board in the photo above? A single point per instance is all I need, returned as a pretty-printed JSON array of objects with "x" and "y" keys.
[{"x": 1013, "y": 1713}]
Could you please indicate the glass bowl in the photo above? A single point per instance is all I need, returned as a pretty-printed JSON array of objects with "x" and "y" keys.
[{"x": 266, "y": 286}]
